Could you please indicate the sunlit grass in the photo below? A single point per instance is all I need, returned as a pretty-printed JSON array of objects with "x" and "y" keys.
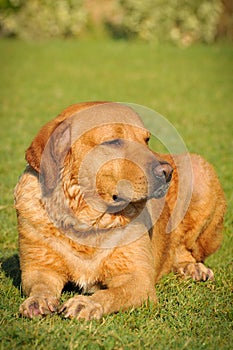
[{"x": 193, "y": 89}]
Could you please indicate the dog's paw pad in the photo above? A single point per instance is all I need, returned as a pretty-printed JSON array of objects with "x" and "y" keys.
[
  {"x": 82, "y": 307},
  {"x": 197, "y": 271},
  {"x": 36, "y": 306}
]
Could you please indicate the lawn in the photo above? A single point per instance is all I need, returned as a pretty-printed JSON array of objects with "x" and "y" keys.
[{"x": 193, "y": 89}]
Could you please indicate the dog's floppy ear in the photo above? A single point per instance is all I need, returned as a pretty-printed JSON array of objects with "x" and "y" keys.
[
  {"x": 53, "y": 157},
  {"x": 47, "y": 151},
  {"x": 36, "y": 149},
  {"x": 34, "y": 152}
]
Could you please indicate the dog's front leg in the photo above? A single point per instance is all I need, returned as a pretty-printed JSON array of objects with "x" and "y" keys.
[
  {"x": 43, "y": 278},
  {"x": 132, "y": 291},
  {"x": 43, "y": 289},
  {"x": 108, "y": 301}
]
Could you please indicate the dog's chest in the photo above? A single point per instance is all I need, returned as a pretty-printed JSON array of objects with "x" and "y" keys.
[{"x": 86, "y": 268}]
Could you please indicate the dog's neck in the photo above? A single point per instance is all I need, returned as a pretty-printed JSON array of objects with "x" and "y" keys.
[{"x": 76, "y": 220}]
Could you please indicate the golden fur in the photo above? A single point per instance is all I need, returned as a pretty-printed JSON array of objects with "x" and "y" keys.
[{"x": 116, "y": 276}]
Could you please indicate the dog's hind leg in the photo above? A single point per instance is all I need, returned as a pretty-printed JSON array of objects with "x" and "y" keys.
[
  {"x": 200, "y": 232},
  {"x": 191, "y": 254}
]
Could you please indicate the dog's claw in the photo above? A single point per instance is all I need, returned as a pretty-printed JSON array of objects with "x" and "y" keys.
[
  {"x": 82, "y": 307},
  {"x": 38, "y": 306},
  {"x": 197, "y": 271}
]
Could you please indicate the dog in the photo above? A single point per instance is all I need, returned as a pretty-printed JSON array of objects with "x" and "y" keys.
[{"x": 96, "y": 207}]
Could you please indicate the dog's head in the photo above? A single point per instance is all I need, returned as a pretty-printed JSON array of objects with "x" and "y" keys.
[{"x": 100, "y": 154}]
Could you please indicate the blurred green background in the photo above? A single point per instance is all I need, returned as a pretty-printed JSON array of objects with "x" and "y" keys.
[{"x": 180, "y": 21}]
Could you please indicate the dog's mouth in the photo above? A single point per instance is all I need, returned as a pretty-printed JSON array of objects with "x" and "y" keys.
[
  {"x": 120, "y": 202},
  {"x": 130, "y": 193}
]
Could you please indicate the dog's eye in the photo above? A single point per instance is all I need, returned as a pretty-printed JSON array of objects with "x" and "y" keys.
[
  {"x": 115, "y": 142},
  {"x": 147, "y": 140}
]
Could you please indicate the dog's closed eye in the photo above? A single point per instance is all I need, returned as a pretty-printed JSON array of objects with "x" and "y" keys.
[{"x": 114, "y": 142}]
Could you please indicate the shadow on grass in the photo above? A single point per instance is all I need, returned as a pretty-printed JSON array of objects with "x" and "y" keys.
[{"x": 11, "y": 268}]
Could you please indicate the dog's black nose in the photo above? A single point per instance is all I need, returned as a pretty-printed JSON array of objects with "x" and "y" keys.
[{"x": 163, "y": 172}]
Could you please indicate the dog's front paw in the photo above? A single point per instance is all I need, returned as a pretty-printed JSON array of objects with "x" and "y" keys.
[
  {"x": 82, "y": 307},
  {"x": 197, "y": 271},
  {"x": 38, "y": 305}
]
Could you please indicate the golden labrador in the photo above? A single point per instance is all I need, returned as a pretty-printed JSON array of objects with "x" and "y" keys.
[{"x": 98, "y": 208}]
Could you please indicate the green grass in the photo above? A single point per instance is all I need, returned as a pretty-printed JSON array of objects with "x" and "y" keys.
[{"x": 193, "y": 89}]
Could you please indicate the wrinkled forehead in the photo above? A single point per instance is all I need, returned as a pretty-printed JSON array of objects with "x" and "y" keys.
[{"x": 113, "y": 118}]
